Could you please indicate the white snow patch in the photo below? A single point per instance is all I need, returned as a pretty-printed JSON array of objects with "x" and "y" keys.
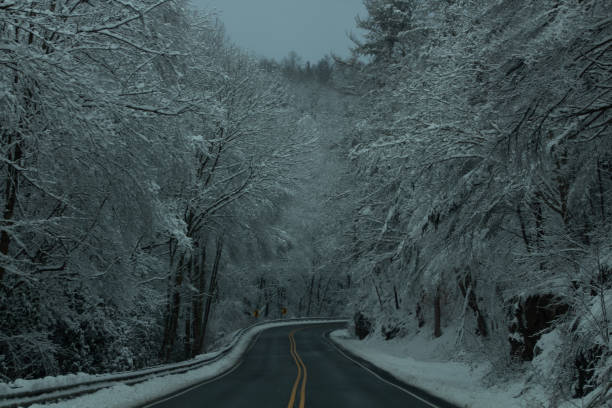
[
  {"x": 19, "y": 386},
  {"x": 425, "y": 363},
  {"x": 548, "y": 347}
]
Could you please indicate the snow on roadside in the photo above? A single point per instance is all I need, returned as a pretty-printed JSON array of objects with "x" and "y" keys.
[
  {"x": 125, "y": 396},
  {"x": 417, "y": 361},
  {"x": 7, "y": 390}
]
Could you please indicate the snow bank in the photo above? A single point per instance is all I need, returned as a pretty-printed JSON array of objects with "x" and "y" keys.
[
  {"x": 20, "y": 386},
  {"x": 417, "y": 361},
  {"x": 425, "y": 363},
  {"x": 126, "y": 396}
]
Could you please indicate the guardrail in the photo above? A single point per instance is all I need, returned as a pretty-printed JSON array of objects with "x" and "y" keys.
[{"x": 51, "y": 394}]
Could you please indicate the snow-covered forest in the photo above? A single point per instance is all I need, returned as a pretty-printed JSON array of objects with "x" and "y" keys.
[
  {"x": 483, "y": 156},
  {"x": 161, "y": 187}
]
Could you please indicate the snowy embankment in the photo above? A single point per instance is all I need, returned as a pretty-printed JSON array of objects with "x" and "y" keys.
[
  {"x": 428, "y": 364},
  {"x": 122, "y": 395}
]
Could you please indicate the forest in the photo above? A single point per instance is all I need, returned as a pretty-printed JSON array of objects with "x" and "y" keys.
[{"x": 160, "y": 187}]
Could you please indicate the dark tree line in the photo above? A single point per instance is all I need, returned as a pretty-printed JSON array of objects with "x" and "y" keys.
[{"x": 293, "y": 68}]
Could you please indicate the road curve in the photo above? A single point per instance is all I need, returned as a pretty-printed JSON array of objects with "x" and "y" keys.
[{"x": 297, "y": 367}]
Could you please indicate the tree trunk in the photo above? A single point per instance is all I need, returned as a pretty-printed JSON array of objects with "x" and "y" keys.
[
  {"x": 464, "y": 285},
  {"x": 563, "y": 187},
  {"x": 319, "y": 289},
  {"x": 437, "y": 312},
  {"x": 212, "y": 287},
  {"x": 539, "y": 222},
  {"x": 190, "y": 302},
  {"x": 171, "y": 326},
  {"x": 324, "y": 295},
  {"x": 187, "y": 341},
  {"x": 397, "y": 303},
  {"x": 310, "y": 295},
  {"x": 419, "y": 313},
  {"x": 523, "y": 227},
  {"x": 601, "y": 192},
  {"x": 198, "y": 303},
  {"x": 378, "y": 295},
  {"x": 15, "y": 155}
]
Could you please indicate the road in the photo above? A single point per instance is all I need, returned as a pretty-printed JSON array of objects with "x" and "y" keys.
[{"x": 297, "y": 367}]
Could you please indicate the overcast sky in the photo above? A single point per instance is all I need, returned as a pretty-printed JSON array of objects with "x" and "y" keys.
[{"x": 272, "y": 28}]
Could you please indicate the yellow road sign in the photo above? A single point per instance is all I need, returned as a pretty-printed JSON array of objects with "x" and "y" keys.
[
  {"x": 284, "y": 311},
  {"x": 256, "y": 313}
]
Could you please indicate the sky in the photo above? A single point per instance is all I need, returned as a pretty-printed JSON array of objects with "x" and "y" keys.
[{"x": 273, "y": 28}]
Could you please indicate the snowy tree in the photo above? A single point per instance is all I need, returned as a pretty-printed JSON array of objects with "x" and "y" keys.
[
  {"x": 469, "y": 154},
  {"x": 386, "y": 23}
]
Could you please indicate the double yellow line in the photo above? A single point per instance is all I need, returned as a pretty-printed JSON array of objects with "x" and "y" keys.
[{"x": 301, "y": 369}]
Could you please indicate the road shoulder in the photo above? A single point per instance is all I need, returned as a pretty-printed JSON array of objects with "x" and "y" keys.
[{"x": 342, "y": 343}]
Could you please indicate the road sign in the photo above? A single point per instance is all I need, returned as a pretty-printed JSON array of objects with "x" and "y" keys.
[
  {"x": 256, "y": 313},
  {"x": 284, "y": 311}
]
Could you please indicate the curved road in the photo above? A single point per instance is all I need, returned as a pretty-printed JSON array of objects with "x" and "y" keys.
[{"x": 297, "y": 367}]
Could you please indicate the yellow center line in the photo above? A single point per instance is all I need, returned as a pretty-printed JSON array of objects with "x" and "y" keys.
[
  {"x": 297, "y": 380},
  {"x": 301, "y": 367},
  {"x": 303, "y": 390}
]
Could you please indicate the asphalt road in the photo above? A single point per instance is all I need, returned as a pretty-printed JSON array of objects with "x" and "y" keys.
[{"x": 297, "y": 367}]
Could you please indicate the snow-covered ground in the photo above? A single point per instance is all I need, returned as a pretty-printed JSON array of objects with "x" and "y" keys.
[
  {"x": 464, "y": 380},
  {"x": 69, "y": 380},
  {"x": 126, "y": 396}
]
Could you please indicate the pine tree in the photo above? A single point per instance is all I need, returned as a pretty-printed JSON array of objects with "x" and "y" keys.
[{"x": 385, "y": 24}]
